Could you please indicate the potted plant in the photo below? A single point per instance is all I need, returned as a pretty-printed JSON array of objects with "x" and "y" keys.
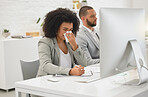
[
  {"x": 41, "y": 25},
  {"x": 83, "y": 3},
  {"x": 6, "y": 33},
  {"x": 84, "y": 0}
]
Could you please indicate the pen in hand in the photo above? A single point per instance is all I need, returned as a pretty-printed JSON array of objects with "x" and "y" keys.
[{"x": 79, "y": 66}]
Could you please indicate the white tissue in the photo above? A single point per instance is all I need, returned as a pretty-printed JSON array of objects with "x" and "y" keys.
[{"x": 66, "y": 39}]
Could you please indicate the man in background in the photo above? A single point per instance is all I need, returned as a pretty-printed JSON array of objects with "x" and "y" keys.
[{"x": 87, "y": 37}]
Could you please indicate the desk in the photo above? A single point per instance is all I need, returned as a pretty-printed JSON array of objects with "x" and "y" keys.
[{"x": 68, "y": 87}]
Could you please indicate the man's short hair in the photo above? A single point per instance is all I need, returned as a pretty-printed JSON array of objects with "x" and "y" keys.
[{"x": 83, "y": 11}]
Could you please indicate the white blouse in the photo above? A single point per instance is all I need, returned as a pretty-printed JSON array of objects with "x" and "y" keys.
[{"x": 65, "y": 60}]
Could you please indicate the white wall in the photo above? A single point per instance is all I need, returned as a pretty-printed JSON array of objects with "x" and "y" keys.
[
  {"x": 20, "y": 16},
  {"x": 97, "y": 4},
  {"x": 142, "y": 4}
]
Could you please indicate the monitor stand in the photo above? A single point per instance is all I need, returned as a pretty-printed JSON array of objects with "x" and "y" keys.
[{"x": 142, "y": 68}]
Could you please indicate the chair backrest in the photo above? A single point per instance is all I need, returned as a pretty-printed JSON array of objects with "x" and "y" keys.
[{"x": 29, "y": 69}]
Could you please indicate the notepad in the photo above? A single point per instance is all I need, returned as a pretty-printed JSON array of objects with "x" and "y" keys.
[
  {"x": 87, "y": 73},
  {"x": 93, "y": 69}
]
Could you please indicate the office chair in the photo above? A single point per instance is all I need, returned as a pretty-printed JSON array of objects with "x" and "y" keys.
[{"x": 29, "y": 70}]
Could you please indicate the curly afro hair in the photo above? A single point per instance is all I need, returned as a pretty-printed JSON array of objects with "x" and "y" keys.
[{"x": 55, "y": 18}]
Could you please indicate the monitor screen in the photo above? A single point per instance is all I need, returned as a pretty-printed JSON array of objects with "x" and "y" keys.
[{"x": 117, "y": 27}]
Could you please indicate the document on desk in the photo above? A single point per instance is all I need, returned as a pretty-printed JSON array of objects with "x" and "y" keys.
[
  {"x": 89, "y": 70},
  {"x": 92, "y": 73}
]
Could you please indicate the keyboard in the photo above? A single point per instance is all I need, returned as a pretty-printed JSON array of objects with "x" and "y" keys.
[{"x": 88, "y": 79}]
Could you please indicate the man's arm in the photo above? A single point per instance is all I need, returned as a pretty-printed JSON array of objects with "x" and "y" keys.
[{"x": 82, "y": 42}]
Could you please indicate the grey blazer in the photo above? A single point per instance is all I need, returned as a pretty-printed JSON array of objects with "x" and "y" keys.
[
  {"x": 89, "y": 46},
  {"x": 49, "y": 57}
]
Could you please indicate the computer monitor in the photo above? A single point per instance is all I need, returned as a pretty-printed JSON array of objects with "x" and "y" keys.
[{"x": 117, "y": 27}]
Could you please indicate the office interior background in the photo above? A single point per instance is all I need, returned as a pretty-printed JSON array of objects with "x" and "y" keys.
[{"x": 21, "y": 16}]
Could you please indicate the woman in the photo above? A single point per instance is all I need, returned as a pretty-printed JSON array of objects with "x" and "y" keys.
[{"x": 56, "y": 55}]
